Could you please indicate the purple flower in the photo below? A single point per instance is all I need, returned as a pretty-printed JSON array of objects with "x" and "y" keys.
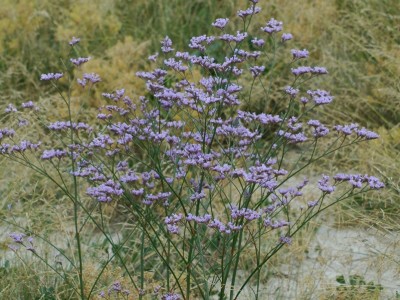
[
  {"x": 286, "y": 37},
  {"x": 245, "y": 213},
  {"x": 285, "y": 240},
  {"x": 166, "y": 45},
  {"x": 17, "y": 237},
  {"x": 137, "y": 192},
  {"x": 291, "y": 91},
  {"x": 10, "y": 108},
  {"x": 342, "y": 177},
  {"x": 105, "y": 191},
  {"x": 375, "y": 183},
  {"x": 297, "y": 54},
  {"x": 116, "y": 286},
  {"x": 153, "y": 57},
  {"x": 171, "y": 296},
  {"x": 240, "y": 36},
  {"x": 198, "y": 41},
  {"x": 23, "y": 146},
  {"x": 247, "y": 54},
  {"x": 28, "y": 104},
  {"x": 369, "y": 135},
  {"x": 50, "y": 76},
  {"x": 312, "y": 203},
  {"x": 173, "y": 229},
  {"x": 258, "y": 42},
  {"x": 220, "y": 23},
  {"x": 82, "y": 82},
  {"x": 256, "y": 70},
  {"x": 248, "y": 12},
  {"x": 276, "y": 225},
  {"x": 324, "y": 186},
  {"x": 293, "y": 137},
  {"x": 80, "y": 60},
  {"x": 92, "y": 77},
  {"x": 272, "y": 26},
  {"x": 304, "y": 100},
  {"x": 346, "y": 129},
  {"x": 175, "y": 65},
  {"x": 197, "y": 196},
  {"x": 319, "y": 70},
  {"x": 319, "y": 129},
  {"x": 173, "y": 219},
  {"x": 53, "y": 153},
  {"x": 74, "y": 41},
  {"x": 301, "y": 70},
  {"x": 198, "y": 219},
  {"x": 320, "y": 96}
]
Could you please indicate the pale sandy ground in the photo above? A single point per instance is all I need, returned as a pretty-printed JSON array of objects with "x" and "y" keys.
[{"x": 332, "y": 252}]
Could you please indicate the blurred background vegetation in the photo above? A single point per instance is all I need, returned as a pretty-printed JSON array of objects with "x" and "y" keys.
[{"x": 357, "y": 40}]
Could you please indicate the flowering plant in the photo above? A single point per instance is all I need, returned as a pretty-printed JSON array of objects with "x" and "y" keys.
[{"x": 203, "y": 181}]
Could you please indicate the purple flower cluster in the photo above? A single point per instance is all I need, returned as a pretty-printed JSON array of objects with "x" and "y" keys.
[
  {"x": 324, "y": 185},
  {"x": 257, "y": 70},
  {"x": 166, "y": 44},
  {"x": 29, "y": 105},
  {"x": 198, "y": 42},
  {"x": 309, "y": 70},
  {"x": 292, "y": 92},
  {"x": 74, "y": 41},
  {"x": 357, "y": 180},
  {"x": 117, "y": 289},
  {"x": 286, "y": 37},
  {"x": 10, "y": 108},
  {"x": 275, "y": 225},
  {"x": 53, "y": 153},
  {"x": 220, "y": 23},
  {"x": 239, "y": 37},
  {"x": 21, "y": 239},
  {"x": 171, "y": 296},
  {"x": 80, "y": 60},
  {"x": 258, "y": 42},
  {"x": 249, "y": 12},
  {"x": 105, "y": 191},
  {"x": 272, "y": 26},
  {"x": 50, "y": 76},
  {"x": 297, "y": 54},
  {"x": 320, "y": 96},
  {"x": 224, "y": 228},
  {"x": 198, "y": 219},
  {"x": 65, "y": 125},
  {"x": 354, "y": 128},
  {"x": 320, "y": 130},
  {"x": 92, "y": 77},
  {"x": 245, "y": 213},
  {"x": 172, "y": 222}
]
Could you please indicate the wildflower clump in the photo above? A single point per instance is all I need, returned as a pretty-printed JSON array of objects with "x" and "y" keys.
[{"x": 202, "y": 179}]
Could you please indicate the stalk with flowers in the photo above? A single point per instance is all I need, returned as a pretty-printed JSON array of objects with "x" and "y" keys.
[{"x": 204, "y": 182}]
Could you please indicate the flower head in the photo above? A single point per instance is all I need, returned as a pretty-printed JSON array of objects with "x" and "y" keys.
[
  {"x": 92, "y": 77},
  {"x": 286, "y": 37},
  {"x": 50, "y": 76},
  {"x": 74, "y": 41},
  {"x": 272, "y": 26},
  {"x": 166, "y": 45},
  {"x": 220, "y": 23}
]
